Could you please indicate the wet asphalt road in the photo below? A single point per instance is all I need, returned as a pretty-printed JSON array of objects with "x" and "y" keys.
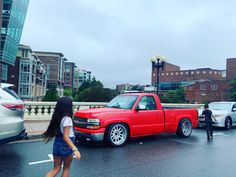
[{"x": 155, "y": 156}]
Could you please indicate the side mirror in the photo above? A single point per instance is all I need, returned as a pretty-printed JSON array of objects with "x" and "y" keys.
[{"x": 141, "y": 107}]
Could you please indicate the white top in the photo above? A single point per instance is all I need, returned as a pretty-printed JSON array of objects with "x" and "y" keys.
[{"x": 67, "y": 122}]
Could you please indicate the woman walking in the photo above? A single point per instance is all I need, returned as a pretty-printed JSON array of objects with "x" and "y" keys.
[{"x": 61, "y": 127}]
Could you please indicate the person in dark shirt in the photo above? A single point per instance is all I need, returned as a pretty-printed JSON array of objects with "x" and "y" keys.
[{"x": 207, "y": 114}]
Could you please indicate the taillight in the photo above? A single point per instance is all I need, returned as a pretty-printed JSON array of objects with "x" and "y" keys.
[{"x": 14, "y": 106}]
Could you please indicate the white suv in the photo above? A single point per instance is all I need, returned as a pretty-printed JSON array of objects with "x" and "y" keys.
[{"x": 11, "y": 115}]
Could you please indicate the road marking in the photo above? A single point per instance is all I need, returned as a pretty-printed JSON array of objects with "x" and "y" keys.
[{"x": 44, "y": 161}]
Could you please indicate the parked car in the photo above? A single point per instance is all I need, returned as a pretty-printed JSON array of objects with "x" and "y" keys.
[
  {"x": 11, "y": 115},
  {"x": 133, "y": 115},
  {"x": 224, "y": 113}
]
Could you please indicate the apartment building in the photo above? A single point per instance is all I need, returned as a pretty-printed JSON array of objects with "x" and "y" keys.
[
  {"x": 69, "y": 75},
  {"x": 28, "y": 75},
  {"x": 55, "y": 64},
  {"x": 81, "y": 76}
]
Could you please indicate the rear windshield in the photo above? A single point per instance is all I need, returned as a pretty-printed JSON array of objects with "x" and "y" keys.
[{"x": 11, "y": 92}]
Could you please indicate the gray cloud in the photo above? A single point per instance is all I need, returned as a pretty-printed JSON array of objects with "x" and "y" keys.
[{"x": 115, "y": 39}]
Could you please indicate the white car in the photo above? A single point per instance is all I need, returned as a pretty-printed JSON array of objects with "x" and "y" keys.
[
  {"x": 224, "y": 113},
  {"x": 11, "y": 115}
]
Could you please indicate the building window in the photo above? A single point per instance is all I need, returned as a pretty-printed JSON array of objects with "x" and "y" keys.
[
  {"x": 167, "y": 74},
  {"x": 162, "y": 74},
  {"x": 214, "y": 87},
  {"x": 25, "y": 67},
  {"x": 202, "y": 87},
  {"x": 198, "y": 72},
  {"x": 186, "y": 72},
  {"x": 210, "y": 72},
  {"x": 24, "y": 78},
  {"x": 181, "y": 73},
  {"x": 25, "y": 53},
  {"x": 192, "y": 72},
  {"x": 24, "y": 90},
  {"x": 171, "y": 73},
  {"x": 204, "y": 72},
  {"x": 176, "y": 73}
]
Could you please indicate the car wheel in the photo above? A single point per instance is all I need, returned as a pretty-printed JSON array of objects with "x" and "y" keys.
[
  {"x": 228, "y": 123},
  {"x": 117, "y": 134},
  {"x": 185, "y": 128}
]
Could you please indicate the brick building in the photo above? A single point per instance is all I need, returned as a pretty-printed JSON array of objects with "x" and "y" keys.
[
  {"x": 231, "y": 68},
  {"x": 200, "y": 91},
  {"x": 172, "y": 73},
  {"x": 54, "y": 63},
  {"x": 69, "y": 75},
  {"x": 202, "y": 84}
]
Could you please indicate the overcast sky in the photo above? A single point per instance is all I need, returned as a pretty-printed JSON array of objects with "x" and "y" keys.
[{"x": 115, "y": 39}]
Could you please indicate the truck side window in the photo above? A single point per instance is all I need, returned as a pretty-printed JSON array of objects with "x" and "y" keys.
[{"x": 149, "y": 102}]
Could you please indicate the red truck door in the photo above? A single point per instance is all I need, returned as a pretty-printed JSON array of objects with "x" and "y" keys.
[{"x": 148, "y": 121}]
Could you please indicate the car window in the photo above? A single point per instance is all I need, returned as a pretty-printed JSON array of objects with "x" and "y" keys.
[
  {"x": 11, "y": 92},
  {"x": 234, "y": 106},
  {"x": 123, "y": 102},
  {"x": 149, "y": 102}
]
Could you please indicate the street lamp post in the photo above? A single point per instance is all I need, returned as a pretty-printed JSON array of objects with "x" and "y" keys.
[{"x": 158, "y": 62}]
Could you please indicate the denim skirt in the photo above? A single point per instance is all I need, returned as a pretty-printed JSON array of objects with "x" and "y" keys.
[{"x": 60, "y": 148}]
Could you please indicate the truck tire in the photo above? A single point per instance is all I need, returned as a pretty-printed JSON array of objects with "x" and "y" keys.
[
  {"x": 228, "y": 123},
  {"x": 117, "y": 134},
  {"x": 184, "y": 129}
]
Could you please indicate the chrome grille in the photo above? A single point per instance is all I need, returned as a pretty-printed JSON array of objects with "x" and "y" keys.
[{"x": 80, "y": 122}]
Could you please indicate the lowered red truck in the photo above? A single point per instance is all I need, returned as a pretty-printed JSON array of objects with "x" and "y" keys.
[{"x": 133, "y": 115}]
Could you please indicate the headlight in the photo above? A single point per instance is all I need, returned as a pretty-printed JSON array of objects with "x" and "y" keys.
[
  {"x": 93, "y": 124},
  {"x": 93, "y": 120},
  {"x": 218, "y": 115}
]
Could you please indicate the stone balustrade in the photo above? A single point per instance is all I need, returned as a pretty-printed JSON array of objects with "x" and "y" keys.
[{"x": 44, "y": 110}]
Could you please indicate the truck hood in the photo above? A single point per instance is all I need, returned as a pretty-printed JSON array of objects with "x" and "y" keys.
[{"x": 97, "y": 112}]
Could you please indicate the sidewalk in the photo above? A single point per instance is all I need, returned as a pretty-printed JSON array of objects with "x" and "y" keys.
[{"x": 35, "y": 128}]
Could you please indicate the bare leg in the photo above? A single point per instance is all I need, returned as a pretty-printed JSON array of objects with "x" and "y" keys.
[
  {"x": 66, "y": 168},
  {"x": 57, "y": 167}
]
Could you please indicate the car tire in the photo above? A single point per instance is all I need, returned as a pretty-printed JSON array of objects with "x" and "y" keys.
[
  {"x": 117, "y": 134},
  {"x": 184, "y": 129},
  {"x": 228, "y": 123}
]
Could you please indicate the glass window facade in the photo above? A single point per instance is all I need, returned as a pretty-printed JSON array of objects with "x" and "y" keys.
[
  {"x": 13, "y": 14},
  {"x": 4, "y": 73}
]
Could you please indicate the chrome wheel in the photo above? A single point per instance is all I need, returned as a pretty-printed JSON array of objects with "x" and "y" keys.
[
  {"x": 187, "y": 128},
  {"x": 118, "y": 134}
]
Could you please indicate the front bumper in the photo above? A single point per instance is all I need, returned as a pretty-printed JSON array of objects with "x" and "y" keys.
[
  {"x": 214, "y": 124},
  {"x": 91, "y": 136}
]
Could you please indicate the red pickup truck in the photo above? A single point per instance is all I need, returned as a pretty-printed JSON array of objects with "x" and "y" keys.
[{"x": 133, "y": 115}]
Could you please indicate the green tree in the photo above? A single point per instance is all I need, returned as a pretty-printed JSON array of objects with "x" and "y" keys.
[
  {"x": 93, "y": 91},
  {"x": 68, "y": 92},
  {"x": 51, "y": 95},
  {"x": 232, "y": 95},
  {"x": 174, "y": 96}
]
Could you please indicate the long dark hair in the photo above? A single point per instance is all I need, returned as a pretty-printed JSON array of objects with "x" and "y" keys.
[{"x": 64, "y": 107}]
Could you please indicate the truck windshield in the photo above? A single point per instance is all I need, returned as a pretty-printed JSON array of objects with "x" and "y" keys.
[{"x": 123, "y": 102}]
